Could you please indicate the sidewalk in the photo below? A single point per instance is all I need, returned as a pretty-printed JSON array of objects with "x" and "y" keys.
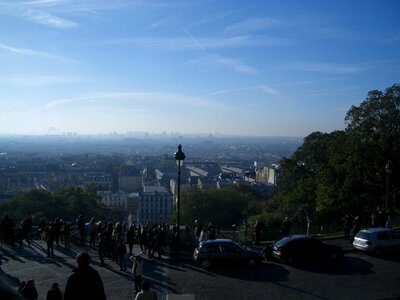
[
  {"x": 32, "y": 263},
  {"x": 24, "y": 263}
]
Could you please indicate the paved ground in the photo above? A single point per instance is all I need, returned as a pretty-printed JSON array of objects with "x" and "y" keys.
[{"x": 31, "y": 263}]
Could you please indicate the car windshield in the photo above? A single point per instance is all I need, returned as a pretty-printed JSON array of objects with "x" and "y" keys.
[
  {"x": 283, "y": 241},
  {"x": 363, "y": 235}
]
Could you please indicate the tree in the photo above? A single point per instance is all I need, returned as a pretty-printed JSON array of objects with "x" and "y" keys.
[
  {"x": 351, "y": 171},
  {"x": 224, "y": 207},
  {"x": 66, "y": 203},
  {"x": 374, "y": 132}
]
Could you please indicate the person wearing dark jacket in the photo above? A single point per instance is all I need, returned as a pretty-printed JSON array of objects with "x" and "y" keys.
[
  {"x": 29, "y": 292},
  {"x": 84, "y": 282},
  {"x": 54, "y": 293}
]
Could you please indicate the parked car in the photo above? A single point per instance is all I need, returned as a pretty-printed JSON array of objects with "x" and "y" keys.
[
  {"x": 225, "y": 251},
  {"x": 377, "y": 240},
  {"x": 300, "y": 248}
]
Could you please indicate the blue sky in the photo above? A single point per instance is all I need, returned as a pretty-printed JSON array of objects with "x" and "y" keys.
[{"x": 259, "y": 68}]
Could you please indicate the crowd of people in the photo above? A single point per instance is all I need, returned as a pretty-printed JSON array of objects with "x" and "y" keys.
[
  {"x": 352, "y": 225},
  {"x": 112, "y": 241}
]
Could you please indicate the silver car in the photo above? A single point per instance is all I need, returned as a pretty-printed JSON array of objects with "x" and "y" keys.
[{"x": 377, "y": 240}]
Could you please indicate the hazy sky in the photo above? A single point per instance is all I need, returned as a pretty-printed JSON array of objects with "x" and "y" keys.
[{"x": 224, "y": 66}]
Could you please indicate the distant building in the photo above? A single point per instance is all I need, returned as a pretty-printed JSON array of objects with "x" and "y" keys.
[
  {"x": 102, "y": 182},
  {"x": 154, "y": 188},
  {"x": 268, "y": 175},
  {"x": 130, "y": 180},
  {"x": 250, "y": 176},
  {"x": 164, "y": 175},
  {"x": 237, "y": 172},
  {"x": 195, "y": 171},
  {"x": 120, "y": 201},
  {"x": 154, "y": 207},
  {"x": 111, "y": 200},
  {"x": 130, "y": 183}
]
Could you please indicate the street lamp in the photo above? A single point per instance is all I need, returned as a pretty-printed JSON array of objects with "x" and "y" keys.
[
  {"x": 179, "y": 157},
  {"x": 387, "y": 167}
]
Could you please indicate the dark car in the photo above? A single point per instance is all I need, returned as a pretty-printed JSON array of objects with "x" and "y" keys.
[
  {"x": 225, "y": 251},
  {"x": 301, "y": 248}
]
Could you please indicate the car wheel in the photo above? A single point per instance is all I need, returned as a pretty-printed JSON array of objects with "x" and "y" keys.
[
  {"x": 378, "y": 251},
  {"x": 205, "y": 263}
]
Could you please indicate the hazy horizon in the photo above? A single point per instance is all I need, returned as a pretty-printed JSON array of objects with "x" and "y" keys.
[{"x": 265, "y": 68}]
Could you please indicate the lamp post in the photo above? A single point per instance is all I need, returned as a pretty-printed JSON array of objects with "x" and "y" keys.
[
  {"x": 387, "y": 167},
  {"x": 179, "y": 157}
]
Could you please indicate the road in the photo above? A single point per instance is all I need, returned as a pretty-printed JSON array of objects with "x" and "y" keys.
[{"x": 358, "y": 276}]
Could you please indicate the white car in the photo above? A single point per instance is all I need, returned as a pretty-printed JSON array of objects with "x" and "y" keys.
[{"x": 377, "y": 240}]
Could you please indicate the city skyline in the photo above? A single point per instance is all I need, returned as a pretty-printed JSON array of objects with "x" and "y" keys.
[{"x": 263, "y": 68}]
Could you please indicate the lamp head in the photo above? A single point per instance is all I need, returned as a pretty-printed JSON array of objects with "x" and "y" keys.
[{"x": 179, "y": 155}]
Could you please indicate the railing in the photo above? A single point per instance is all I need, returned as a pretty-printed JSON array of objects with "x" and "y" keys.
[{"x": 244, "y": 235}]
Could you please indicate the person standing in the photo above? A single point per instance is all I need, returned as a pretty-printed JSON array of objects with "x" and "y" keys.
[
  {"x": 102, "y": 248},
  {"x": 197, "y": 230},
  {"x": 65, "y": 234},
  {"x": 84, "y": 282},
  {"x": 145, "y": 293},
  {"x": 57, "y": 230},
  {"x": 121, "y": 251},
  {"x": 137, "y": 271},
  {"x": 204, "y": 235},
  {"x": 347, "y": 226},
  {"x": 54, "y": 293},
  {"x": 81, "y": 228},
  {"x": 356, "y": 226},
  {"x": 7, "y": 226},
  {"x": 257, "y": 232},
  {"x": 92, "y": 228},
  {"x": 29, "y": 292},
  {"x": 41, "y": 227},
  {"x": 49, "y": 238},
  {"x": 143, "y": 238},
  {"x": 130, "y": 237}
]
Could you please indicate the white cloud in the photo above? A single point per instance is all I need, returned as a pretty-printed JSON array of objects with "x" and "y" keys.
[
  {"x": 28, "y": 11},
  {"x": 180, "y": 43},
  {"x": 30, "y": 52},
  {"x": 164, "y": 98},
  {"x": 60, "y": 102},
  {"x": 264, "y": 88},
  {"x": 44, "y": 18},
  {"x": 230, "y": 63},
  {"x": 324, "y": 68},
  {"x": 234, "y": 64},
  {"x": 36, "y": 80},
  {"x": 221, "y": 92},
  {"x": 271, "y": 91}
]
